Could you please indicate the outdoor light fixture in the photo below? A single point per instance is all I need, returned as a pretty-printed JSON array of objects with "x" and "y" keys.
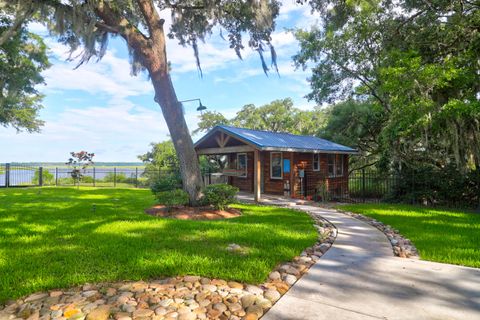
[{"x": 200, "y": 107}]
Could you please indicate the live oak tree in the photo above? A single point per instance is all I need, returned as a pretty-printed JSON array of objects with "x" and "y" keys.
[
  {"x": 22, "y": 59},
  {"x": 416, "y": 64},
  {"x": 88, "y": 24}
]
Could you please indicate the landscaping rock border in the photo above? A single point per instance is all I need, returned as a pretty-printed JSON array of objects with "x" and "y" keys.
[
  {"x": 402, "y": 247},
  {"x": 183, "y": 298}
]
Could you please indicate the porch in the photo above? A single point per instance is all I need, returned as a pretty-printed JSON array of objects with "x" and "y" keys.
[{"x": 262, "y": 162}]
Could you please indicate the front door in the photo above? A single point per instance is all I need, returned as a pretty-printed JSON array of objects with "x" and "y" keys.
[{"x": 262, "y": 178}]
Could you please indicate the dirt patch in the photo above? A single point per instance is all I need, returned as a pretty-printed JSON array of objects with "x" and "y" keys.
[{"x": 192, "y": 213}]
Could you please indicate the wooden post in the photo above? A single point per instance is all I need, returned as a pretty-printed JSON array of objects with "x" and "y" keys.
[
  {"x": 256, "y": 175},
  {"x": 7, "y": 175},
  {"x": 40, "y": 176},
  {"x": 136, "y": 177}
]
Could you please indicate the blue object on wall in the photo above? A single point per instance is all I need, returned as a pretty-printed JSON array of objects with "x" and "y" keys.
[{"x": 286, "y": 165}]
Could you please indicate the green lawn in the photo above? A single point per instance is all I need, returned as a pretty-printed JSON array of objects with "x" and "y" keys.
[
  {"x": 51, "y": 237},
  {"x": 449, "y": 236}
]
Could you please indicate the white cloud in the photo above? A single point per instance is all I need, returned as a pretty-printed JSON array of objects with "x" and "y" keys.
[
  {"x": 110, "y": 76},
  {"x": 120, "y": 130},
  {"x": 103, "y": 130}
]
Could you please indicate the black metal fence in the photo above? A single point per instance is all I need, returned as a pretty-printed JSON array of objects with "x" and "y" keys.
[
  {"x": 360, "y": 186},
  {"x": 22, "y": 175},
  {"x": 25, "y": 175},
  {"x": 431, "y": 188}
]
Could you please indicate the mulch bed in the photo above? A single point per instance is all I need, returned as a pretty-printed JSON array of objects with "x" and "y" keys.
[{"x": 192, "y": 213}]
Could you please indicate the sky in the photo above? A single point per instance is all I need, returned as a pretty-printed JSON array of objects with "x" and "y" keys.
[{"x": 100, "y": 107}]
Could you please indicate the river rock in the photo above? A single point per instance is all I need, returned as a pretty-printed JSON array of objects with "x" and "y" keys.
[
  {"x": 272, "y": 295},
  {"x": 142, "y": 313},
  {"x": 36, "y": 296},
  {"x": 220, "y": 307},
  {"x": 254, "y": 290},
  {"x": 100, "y": 313},
  {"x": 275, "y": 275}
]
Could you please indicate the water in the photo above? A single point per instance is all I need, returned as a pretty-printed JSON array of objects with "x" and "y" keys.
[{"x": 26, "y": 176}]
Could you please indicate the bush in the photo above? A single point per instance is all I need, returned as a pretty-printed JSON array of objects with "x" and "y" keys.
[
  {"x": 322, "y": 192},
  {"x": 220, "y": 195},
  {"x": 172, "y": 198},
  {"x": 166, "y": 182},
  {"x": 48, "y": 178},
  {"x": 120, "y": 177},
  {"x": 433, "y": 186}
]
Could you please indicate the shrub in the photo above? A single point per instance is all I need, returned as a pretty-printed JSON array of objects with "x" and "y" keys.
[
  {"x": 166, "y": 182},
  {"x": 433, "y": 186},
  {"x": 48, "y": 178},
  {"x": 172, "y": 198},
  {"x": 220, "y": 195},
  {"x": 322, "y": 192},
  {"x": 86, "y": 179},
  {"x": 119, "y": 177}
]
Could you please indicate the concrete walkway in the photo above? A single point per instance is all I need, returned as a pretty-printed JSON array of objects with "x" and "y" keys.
[{"x": 359, "y": 278}]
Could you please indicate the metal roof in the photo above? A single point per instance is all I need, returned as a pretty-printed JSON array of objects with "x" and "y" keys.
[{"x": 280, "y": 141}]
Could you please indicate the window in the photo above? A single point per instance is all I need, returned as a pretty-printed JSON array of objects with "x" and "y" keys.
[
  {"x": 339, "y": 165},
  {"x": 276, "y": 165},
  {"x": 331, "y": 165},
  {"x": 335, "y": 165},
  {"x": 242, "y": 164},
  {"x": 316, "y": 162}
]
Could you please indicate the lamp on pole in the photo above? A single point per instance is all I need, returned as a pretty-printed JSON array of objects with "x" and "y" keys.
[{"x": 200, "y": 107}]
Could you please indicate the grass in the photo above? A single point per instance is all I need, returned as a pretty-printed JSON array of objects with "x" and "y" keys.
[
  {"x": 52, "y": 238},
  {"x": 441, "y": 235}
]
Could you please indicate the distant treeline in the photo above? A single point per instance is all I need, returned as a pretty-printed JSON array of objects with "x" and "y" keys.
[{"x": 96, "y": 164}]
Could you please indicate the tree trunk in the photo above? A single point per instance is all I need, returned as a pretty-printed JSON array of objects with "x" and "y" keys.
[
  {"x": 172, "y": 112},
  {"x": 151, "y": 52},
  {"x": 165, "y": 96}
]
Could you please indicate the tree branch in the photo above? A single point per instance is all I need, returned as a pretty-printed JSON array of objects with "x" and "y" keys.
[
  {"x": 112, "y": 20},
  {"x": 176, "y": 6},
  {"x": 152, "y": 19},
  {"x": 365, "y": 82},
  {"x": 19, "y": 20}
]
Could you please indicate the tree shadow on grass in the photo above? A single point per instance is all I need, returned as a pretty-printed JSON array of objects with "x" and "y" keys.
[{"x": 71, "y": 244}]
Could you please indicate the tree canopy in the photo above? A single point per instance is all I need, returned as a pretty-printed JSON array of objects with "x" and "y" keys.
[
  {"x": 418, "y": 61},
  {"x": 162, "y": 156},
  {"x": 278, "y": 116},
  {"x": 22, "y": 59}
]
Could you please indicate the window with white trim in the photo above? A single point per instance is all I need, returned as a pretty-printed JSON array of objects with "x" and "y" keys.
[
  {"x": 242, "y": 164},
  {"x": 316, "y": 162},
  {"x": 276, "y": 170},
  {"x": 331, "y": 165}
]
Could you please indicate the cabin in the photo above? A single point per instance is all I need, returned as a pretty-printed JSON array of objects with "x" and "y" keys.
[{"x": 264, "y": 162}]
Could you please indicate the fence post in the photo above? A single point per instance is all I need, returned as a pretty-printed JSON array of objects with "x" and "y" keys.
[
  {"x": 94, "y": 174},
  {"x": 40, "y": 176},
  {"x": 56, "y": 176},
  {"x": 363, "y": 185},
  {"x": 413, "y": 187},
  {"x": 136, "y": 177},
  {"x": 7, "y": 175},
  {"x": 114, "y": 177}
]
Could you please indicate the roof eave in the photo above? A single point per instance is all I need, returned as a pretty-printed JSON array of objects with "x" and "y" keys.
[
  {"x": 285, "y": 149},
  {"x": 233, "y": 134}
]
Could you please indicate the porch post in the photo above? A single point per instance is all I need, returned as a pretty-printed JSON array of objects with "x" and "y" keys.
[{"x": 256, "y": 175}]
